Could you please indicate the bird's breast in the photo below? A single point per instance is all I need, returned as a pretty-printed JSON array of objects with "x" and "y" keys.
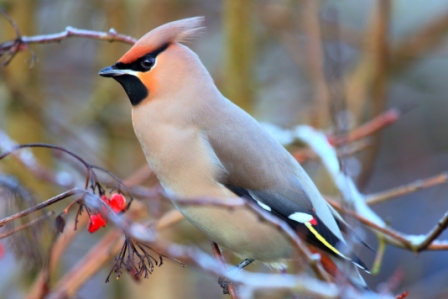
[{"x": 178, "y": 153}]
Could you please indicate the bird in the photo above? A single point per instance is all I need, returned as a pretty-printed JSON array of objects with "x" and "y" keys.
[{"x": 201, "y": 145}]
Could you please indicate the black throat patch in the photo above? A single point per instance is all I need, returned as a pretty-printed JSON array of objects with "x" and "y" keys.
[{"x": 135, "y": 89}]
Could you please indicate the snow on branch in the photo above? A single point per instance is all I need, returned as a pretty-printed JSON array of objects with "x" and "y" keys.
[{"x": 322, "y": 146}]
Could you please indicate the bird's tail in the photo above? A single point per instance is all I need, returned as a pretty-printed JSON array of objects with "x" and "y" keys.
[{"x": 339, "y": 268}]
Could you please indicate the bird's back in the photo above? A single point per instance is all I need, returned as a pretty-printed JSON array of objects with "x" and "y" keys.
[{"x": 255, "y": 161}]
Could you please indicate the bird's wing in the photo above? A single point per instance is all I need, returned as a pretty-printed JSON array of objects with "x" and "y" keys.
[
  {"x": 260, "y": 169},
  {"x": 305, "y": 222}
]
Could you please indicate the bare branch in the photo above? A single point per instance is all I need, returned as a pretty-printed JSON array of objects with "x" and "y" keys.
[
  {"x": 43, "y": 145},
  {"x": 406, "y": 189},
  {"x": 23, "y": 226},
  {"x": 111, "y": 36},
  {"x": 306, "y": 154},
  {"x": 27, "y": 159},
  {"x": 390, "y": 235},
  {"x": 11, "y": 21},
  {"x": 379, "y": 256},
  {"x": 377, "y": 123},
  {"x": 10, "y": 48},
  {"x": 411, "y": 242},
  {"x": 433, "y": 234},
  {"x": 14, "y": 46},
  {"x": 218, "y": 255},
  {"x": 43, "y": 204}
]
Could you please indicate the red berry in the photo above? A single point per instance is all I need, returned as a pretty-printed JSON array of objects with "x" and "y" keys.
[
  {"x": 96, "y": 222},
  {"x": 117, "y": 202}
]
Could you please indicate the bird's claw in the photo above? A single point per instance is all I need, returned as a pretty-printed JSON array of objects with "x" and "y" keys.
[{"x": 224, "y": 283}]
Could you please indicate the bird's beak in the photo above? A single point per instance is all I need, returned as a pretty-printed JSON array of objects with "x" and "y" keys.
[{"x": 110, "y": 71}]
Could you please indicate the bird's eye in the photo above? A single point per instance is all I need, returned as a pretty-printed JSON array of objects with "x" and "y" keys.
[{"x": 148, "y": 63}]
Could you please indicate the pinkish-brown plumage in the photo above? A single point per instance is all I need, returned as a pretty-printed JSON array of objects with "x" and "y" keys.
[
  {"x": 201, "y": 145},
  {"x": 178, "y": 31}
]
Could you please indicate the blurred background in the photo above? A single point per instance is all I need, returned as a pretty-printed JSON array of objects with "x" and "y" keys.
[{"x": 331, "y": 64}]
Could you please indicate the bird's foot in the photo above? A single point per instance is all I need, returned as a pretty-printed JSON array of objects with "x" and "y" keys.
[{"x": 224, "y": 283}]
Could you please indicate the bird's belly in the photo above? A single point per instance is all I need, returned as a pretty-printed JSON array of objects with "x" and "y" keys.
[{"x": 240, "y": 231}]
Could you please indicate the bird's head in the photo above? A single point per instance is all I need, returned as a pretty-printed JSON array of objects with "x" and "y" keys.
[{"x": 155, "y": 59}]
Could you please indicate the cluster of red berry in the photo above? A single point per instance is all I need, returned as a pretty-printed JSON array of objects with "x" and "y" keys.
[{"x": 116, "y": 203}]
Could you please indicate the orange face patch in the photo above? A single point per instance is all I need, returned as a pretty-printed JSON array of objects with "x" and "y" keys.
[{"x": 149, "y": 79}]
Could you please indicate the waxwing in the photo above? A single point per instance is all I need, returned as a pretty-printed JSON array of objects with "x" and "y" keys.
[{"x": 201, "y": 145}]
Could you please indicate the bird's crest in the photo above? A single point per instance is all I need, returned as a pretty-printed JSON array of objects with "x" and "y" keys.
[{"x": 177, "y": 31}]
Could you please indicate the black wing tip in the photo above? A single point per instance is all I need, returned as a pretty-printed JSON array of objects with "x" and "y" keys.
[
  {"x": 352, "y": 233},
  {"x": 359, "y": 263},
  {"x": 367, "y": 245}
]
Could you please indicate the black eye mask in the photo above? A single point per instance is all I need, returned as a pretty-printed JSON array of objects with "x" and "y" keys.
[
  {"x": 134, "y": 88},
  {"x": 139, "y": 65}
]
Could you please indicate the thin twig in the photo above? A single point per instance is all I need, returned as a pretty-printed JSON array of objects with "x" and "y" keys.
[
  {"x": 410, "y": 242},
  {"x": 111, "y": 36},
  {"x": 406, "y": 189},
  {"x": 44, "y": 204},
  {"x": 391, "y": 235},
  {"x": 50, "y": 146},
  {"x": 28, "y": 160},
  {"x": 306, "y": 154},
  {"x": 218, "y": 255},
  {"x": 379, "y": 256},
  {"x": 377, "y": 123},
  {"x": 11, "y": 21},
  {"x": 433, "y": 234},
  {"x": 23, "y": 226},
  {"x": 90, "y": 181},
  {"x": 10, "y": 48},
  {"x": 14, "y": 45}
]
